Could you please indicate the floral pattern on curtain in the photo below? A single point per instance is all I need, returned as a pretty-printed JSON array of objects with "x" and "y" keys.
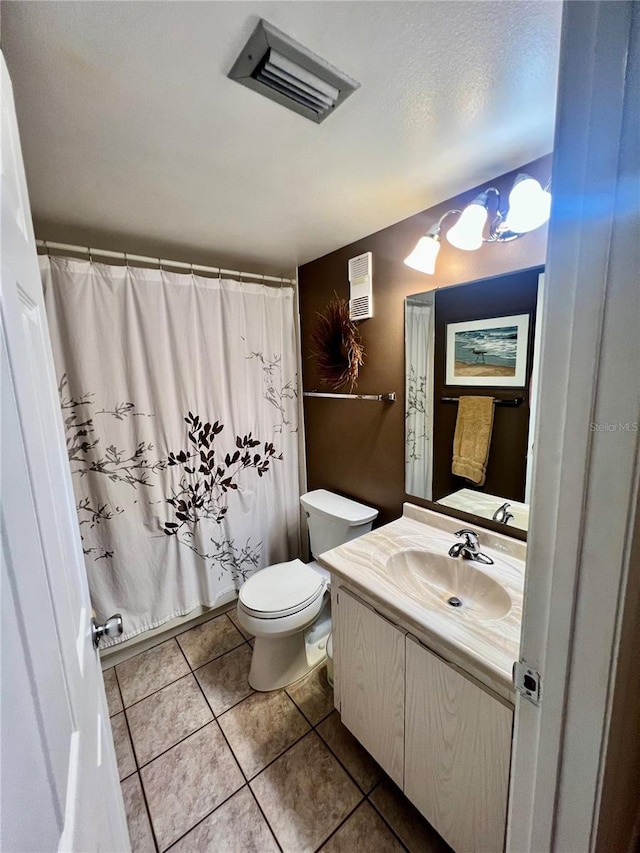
[{"x": 179, "y": 400}]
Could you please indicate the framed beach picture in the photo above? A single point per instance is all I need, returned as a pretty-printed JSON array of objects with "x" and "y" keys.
[{"x": 488, "y": 352}]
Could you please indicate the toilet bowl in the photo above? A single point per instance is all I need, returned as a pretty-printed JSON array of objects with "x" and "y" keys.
[
  {"x": 287, "y": 606},
  {"x": 278, "y": 605}
]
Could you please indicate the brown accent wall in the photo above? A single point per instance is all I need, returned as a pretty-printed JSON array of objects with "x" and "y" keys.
[{"x": 354, "y": 447}]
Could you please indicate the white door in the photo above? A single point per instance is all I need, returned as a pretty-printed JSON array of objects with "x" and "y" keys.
[
  {"x": 59, "y": 781},
  {"x": 584, "y": 535}
]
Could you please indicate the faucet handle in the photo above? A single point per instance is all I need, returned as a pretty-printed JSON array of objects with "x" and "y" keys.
[
  {"x": 502, "y": 514},
  {"x": 470, "y": 537}
]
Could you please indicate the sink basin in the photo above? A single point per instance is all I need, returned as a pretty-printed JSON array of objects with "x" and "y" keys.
[{"x": 455, "y": 584}]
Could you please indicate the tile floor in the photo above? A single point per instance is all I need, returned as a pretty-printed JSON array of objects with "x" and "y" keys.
[{"x": 207, "y": 764}]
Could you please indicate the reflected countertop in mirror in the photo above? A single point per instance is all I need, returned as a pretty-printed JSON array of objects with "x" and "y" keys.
[{"x": 510, "y": 513}]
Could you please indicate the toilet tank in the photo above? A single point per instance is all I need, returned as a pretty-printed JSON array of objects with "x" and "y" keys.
[{"x": 334, "y": 520}]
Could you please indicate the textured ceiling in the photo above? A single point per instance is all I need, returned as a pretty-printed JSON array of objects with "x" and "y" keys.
[{"x": 130, "y": 126}]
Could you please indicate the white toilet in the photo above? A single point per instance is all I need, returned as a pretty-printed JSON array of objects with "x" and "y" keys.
[{"x": 287, "y": 606}]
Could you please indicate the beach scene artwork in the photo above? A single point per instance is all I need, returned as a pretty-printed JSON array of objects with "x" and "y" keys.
[{"x": 488, "y": 352}]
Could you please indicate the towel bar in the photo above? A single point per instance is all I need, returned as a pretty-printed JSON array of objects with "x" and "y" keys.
[
  {"x": 515, "y": 401},
  {"x": 380, "y": 398}
]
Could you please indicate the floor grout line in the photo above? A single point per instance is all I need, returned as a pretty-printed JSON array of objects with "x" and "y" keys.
[
  {"x": 115, "y": 675},
  {"x": 153, "y": 692},
  {"x": 215, "y": 657},
  {"x": 146, "y": 805},
  {"x": 159, "y": 690},
  {"x": 244, "y": 785},
  {"x": 240, "y": 768},
  {"x": 284, "y": 752},
  {"x": 341, "y": 824},
  {"x": 144, "y": 793},
  {"x": 228, "y": 652},
  {"x": 312, "y": 728},
  {"x": 266, "y": 819},
  {"x": 383, "y": 817},
  {"x": 184, "y": 675},
  {"x": 177, "y": 743},
  {"x": 307, "y": 718},
  {"x": 208, "y": 815},
  {"x": 217, "y": 719},
  {"x": 231, "y": 707},
  {"x": 277, "y": 758},
  {"x": 344, "y": 766}
]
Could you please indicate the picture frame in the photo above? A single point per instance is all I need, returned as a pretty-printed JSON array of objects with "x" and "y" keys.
[{"x": 490, "y": 352}]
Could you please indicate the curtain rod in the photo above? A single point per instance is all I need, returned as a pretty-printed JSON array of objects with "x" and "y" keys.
[{"x": 125, "y": 256}]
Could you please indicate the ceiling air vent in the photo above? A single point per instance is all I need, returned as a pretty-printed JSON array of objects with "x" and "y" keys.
[{"x": 279, "y": 68}]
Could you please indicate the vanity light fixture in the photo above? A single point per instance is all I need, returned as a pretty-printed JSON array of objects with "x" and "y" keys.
[
  {"x": 529, "y": 205},
  {"x": 529, "y": 208},
  {"x": 467, "y": 232},
  {"x": 424, "y": 255}
]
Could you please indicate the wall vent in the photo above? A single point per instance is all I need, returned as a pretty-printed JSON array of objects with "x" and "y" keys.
[
  {"x": 279, "y": 68},
  {"x": 361, "y": 287}
]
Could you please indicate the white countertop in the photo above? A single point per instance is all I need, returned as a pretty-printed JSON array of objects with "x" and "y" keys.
[{"x": 486, "y": 648}]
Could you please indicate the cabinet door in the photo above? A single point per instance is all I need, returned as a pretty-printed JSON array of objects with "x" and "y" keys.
[
  {"x": 372, "y": 682},
  {"x": 458, "y": 748}
]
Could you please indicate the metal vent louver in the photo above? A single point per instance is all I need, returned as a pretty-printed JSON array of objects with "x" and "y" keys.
[
  {"x": 279, "y": 68},
  {"x": 361, "y": 287}
]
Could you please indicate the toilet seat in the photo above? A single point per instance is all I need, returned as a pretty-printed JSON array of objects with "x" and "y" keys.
[{"x": 281, "y": 590}]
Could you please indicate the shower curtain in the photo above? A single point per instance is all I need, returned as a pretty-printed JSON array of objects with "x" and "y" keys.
[
  {"x": 179, "y": 400},
  {"x": 419, "y": 394}
]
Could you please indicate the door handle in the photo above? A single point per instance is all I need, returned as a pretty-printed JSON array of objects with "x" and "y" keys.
[{"x": 111, "y": 628}]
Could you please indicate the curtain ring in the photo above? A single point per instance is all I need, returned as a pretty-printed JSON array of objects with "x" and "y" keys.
[
  {"x": 160, "y": 264},
  {"x": 126, "y": 260},
  {"x": 90, "y": 254}
]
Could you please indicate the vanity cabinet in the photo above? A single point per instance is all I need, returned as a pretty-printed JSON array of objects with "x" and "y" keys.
[
  {"x": 443, "y": 739},
  {"x": 372, "y": 681},
  {"x": 458, "y": 748}
]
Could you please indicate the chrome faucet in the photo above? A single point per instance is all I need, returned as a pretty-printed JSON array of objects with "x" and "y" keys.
[
  {"x": 502, "y": 514},
  {"x": 469, "y": 549}
]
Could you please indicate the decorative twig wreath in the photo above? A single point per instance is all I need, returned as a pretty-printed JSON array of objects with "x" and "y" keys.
[{"x": 338, "y": 345}]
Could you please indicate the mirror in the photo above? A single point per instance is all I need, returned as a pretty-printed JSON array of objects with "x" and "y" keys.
[{"x": 473, "y": 340}]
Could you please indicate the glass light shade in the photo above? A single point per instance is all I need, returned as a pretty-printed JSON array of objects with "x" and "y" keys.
[
  {"x": 529, "y": 205},
  {"x": 423, "y": 257},
  {"x": 467, "y": 232}
]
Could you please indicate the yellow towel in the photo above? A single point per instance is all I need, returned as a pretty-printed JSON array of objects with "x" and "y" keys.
[{"x": 472, "y": 438}]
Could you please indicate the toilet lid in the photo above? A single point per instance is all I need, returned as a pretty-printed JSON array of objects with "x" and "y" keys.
[{"x": 281, "y": 589}]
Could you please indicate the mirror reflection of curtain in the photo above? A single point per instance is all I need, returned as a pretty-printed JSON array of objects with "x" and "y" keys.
[{"x": 419, "y": 397}]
